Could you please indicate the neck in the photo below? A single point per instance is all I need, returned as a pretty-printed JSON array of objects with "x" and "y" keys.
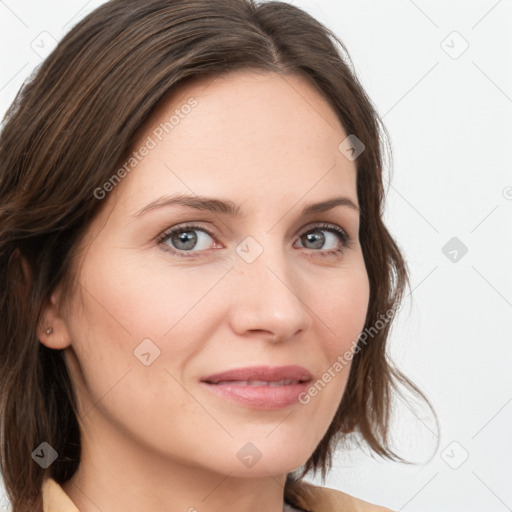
[{"x": 117, "y": 474}]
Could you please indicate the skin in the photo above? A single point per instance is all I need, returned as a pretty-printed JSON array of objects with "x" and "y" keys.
[{"x": 152, "y": 437}]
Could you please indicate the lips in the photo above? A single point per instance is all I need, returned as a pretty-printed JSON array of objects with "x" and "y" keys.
[
  {"x": 260, "y": 387},
  {"x": 261, "y": 376}
]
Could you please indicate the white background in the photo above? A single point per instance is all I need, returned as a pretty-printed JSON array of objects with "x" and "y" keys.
[{"x": 448, "y": 116}]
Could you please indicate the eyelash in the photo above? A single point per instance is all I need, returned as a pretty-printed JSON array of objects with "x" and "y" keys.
[{"x": 345, "y": 239}]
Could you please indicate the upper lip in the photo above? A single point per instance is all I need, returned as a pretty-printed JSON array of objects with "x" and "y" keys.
[{"x": 262, "y": 373}]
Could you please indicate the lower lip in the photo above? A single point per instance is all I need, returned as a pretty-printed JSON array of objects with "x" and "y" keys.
[{"x": 259, "y": 397}]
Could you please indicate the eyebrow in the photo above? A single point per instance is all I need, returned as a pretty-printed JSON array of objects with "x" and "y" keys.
[{"x": 227, "y": 207}]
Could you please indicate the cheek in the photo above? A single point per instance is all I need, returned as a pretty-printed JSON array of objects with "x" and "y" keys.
[
  {"x": 108, "y": 327},
  {"x": 126, "y": 301},
  {"x": 344, "y": 307},
  {"x": 144, "y": 297},
  {"x": 342, "y": 311}
]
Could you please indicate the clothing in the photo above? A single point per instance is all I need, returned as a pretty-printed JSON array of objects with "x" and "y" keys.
[
  {"x": 317, "y": 499},
  {"x": 290, "y": 508}
]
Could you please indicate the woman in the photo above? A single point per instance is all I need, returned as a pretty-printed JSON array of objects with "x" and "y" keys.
[{"x": 197, "y": 282}]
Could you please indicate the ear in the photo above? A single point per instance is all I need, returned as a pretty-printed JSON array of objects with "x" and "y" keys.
[{"x": 59, "y": 337}]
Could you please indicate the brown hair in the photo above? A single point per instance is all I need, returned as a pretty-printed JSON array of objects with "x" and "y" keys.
[{"x": 76, "y": 120}]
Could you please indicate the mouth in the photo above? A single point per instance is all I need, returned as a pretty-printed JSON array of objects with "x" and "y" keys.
[
  {"x": 271, "y": 383},
  {"x": 260, "y": 387}
]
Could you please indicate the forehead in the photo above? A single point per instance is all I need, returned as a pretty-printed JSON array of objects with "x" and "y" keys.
[{"x": 263, "y": 135}]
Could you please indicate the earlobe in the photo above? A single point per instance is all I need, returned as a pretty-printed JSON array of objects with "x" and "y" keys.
[{"x": 52, "y": 330}]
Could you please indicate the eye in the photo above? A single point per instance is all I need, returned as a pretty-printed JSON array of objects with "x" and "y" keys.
[
  {"x": 337, "y": 238},
  {"x": 186, "y": 239}
]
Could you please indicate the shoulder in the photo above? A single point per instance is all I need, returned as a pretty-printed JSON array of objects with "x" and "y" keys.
[{"x": 324, "y": 499}]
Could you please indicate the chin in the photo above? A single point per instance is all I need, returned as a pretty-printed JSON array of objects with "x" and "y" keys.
[
  {"x": 264, "y": 469},
  {"x": 263, "y": 457}
]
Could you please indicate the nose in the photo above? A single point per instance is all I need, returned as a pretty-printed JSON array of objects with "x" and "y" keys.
[{"x": 270, "y": 297}]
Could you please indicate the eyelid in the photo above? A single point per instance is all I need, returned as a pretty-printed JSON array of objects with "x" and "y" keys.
[
  {"x": 184, "y": 226},
  {"x": 325, "y": 226}
]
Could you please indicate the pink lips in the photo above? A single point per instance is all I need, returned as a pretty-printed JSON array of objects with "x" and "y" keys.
[{"x": 260, "y": 387}]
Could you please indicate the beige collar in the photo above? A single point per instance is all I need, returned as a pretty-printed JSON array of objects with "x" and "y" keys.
[
  {"x": 55, "y": 499},
  {"x": 316, "y": 499}
]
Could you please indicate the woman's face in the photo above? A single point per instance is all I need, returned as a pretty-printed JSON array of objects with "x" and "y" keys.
[{"x": 153, "y": 316}]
